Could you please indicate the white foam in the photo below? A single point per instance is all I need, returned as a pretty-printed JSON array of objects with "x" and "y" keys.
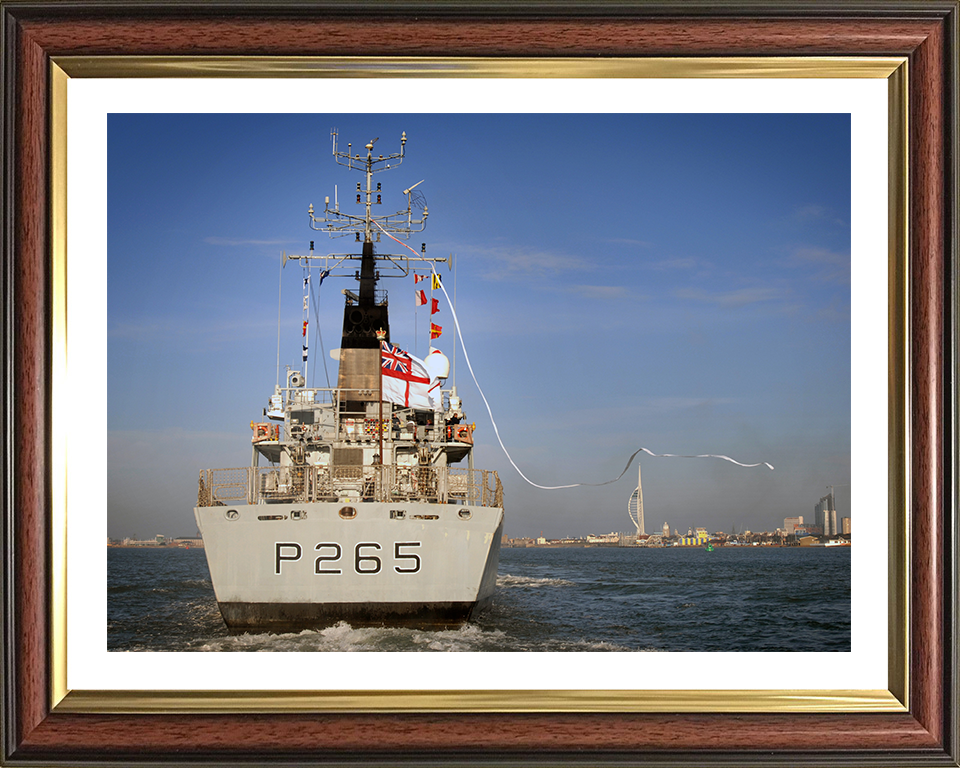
[{"x": 508, "y": 580}]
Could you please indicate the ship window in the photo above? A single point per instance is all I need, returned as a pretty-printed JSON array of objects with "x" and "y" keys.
[
  {"x": 232, "y": 514},
  {"x": 303, "y": 417},
  {"x": 271, "y": 517},
  {"x": 406, "y": 458},
  {"x": 297, "y": 514},
  {"x": 465, "y": 514},
  {"x": 397, "y": 514},
  {"x": 348, "y": 457},
  {"x": 348, "y": 513}
]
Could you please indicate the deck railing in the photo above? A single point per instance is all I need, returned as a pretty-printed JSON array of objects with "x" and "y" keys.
[
  {"x": 336, "y": 423},
  {"x": 305, "y": 483}
]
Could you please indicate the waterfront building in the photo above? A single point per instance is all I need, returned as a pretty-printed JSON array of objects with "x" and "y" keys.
[
  {"x": 187, "y": 543},
  {"x": 791, "y": 524},
  {"x": 698, "y": 539},
  {"x": 845, "y": 526},
  {"x": 825, "y": 514}
]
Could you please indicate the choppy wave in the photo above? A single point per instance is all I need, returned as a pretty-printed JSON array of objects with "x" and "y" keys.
[
  {"x": 509, "y": 580},
  {"x": 344, "y": 637}
]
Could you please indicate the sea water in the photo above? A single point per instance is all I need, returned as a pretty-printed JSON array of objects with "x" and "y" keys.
[{"x": 565, "y": 599}]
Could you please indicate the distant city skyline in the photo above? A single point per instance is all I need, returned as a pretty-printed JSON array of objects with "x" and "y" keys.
[{"x": 676, "y": 282}]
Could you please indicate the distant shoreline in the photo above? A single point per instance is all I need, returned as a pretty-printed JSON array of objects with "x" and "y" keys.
[
  {"x": 544, "y": 546},
  {"x": 154, "y": 546},
  {"x": 634, "y": 546}
]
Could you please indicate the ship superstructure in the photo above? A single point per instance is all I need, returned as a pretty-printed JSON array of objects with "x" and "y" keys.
[{"x": 357, "y": 505}]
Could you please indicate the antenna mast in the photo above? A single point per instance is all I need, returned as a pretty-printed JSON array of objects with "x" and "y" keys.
[
  {"x": 367, "y": 308},
  {"x": 365, "y": 226},
  {"x": 337, "y": 223}
]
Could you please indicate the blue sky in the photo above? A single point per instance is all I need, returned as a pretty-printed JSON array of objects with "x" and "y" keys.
[{"x": 677, "y": 282}]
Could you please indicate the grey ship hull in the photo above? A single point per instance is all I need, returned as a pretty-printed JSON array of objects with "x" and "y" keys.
[{"x": 290, "y": 566}]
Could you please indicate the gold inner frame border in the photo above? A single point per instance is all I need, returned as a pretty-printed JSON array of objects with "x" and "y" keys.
[{"x": 895, "y": 699}]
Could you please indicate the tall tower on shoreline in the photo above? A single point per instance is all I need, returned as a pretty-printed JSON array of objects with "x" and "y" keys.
[
  {"x": 635, "y": 505},
  {"x": 825, "y": 514}
]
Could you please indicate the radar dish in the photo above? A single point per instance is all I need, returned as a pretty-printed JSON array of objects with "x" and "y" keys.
[{"x": 418, "y": 199}]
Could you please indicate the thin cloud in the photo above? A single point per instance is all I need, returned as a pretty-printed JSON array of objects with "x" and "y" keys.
[
  {"x": 192, "y": 328},
  {"x": 819, "y": 256},
  {"x": 644, "y": 407},
  {"x": 233, "y": 242},
  {"x": 683, "y": 403},
  {"x": 836, "y": 311},
  {"x": 676, "y": 263},
  {"x": 738, "y": 298},
  {"x": 629, "y": 241},
  {"x": 598, "y": 291},
  {"x": 513, "y": 263},
  {"x": 823, "y": 265},
  {"x": 814, "y": 212}
]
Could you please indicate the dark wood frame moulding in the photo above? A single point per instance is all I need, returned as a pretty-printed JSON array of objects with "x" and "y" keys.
[{"x": 925, "y": 32}]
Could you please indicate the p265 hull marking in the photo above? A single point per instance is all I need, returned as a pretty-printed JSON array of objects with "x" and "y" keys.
[{"x": 315, "y": 569}]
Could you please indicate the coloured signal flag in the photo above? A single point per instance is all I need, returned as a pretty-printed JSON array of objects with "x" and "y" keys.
[
  {"x": 421, "y": 298},
  {"x": 434, "y": 306},
  {"x": 304, "y": 328},
  {"x": 418, "y": 278},
  {"x": 435, "y": 330},
  {"x": 435, "y": 284}
]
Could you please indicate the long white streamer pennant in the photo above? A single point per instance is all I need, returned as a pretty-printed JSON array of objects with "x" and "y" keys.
[{"x": 496, "y": 431}]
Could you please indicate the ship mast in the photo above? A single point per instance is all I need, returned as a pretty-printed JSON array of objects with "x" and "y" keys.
[
  {"x": 366, "y": 227},
  {"x": 365, "y": 312}
]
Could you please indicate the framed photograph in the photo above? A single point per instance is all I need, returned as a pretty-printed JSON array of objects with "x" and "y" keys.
[{"x": 229, "y": 708}]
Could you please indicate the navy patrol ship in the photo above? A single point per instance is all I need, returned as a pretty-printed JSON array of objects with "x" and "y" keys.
[{"x": 357, "y": 505}]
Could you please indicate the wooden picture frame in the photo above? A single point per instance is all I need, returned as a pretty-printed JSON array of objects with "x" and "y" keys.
[{"x": 39, "y": 729}]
